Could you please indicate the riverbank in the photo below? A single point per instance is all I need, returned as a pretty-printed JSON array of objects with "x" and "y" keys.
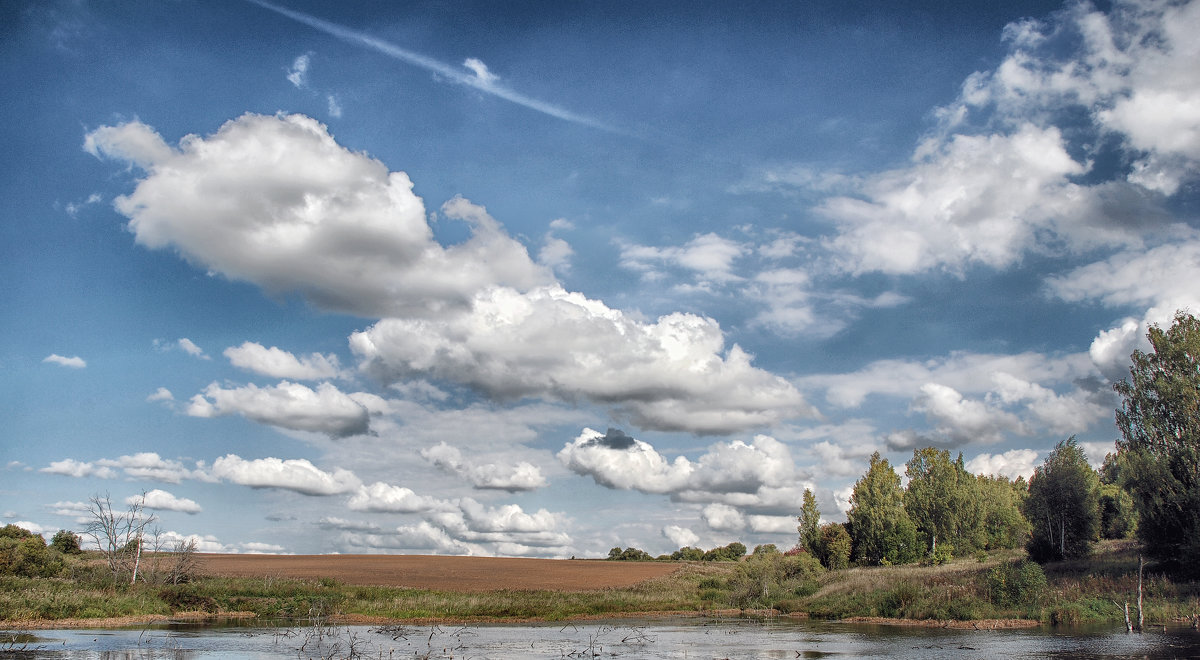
[{"x": 998, "y": 591}]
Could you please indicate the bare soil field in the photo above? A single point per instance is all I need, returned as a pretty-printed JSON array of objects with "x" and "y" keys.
[{"x": 461, "y": 574}]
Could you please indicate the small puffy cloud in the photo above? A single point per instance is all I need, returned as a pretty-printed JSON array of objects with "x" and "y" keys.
[
  {"x": 723, "y": 518},
  {"x": 150, "y": 466},
  {"x": 296, "y": 75},
  {"x": 386, "y": 498},
  {"x": 680, "y": 536},
  {"x": 555, "y": 254},
  {"x": 278, "y": 363},
  {"x": 1012, "y": 464},
  {"x": 275, "y": 201},
  {"x": 298, "y": 475},
  {"x": 133, "y": 142},
  {"x": 163, "y": 501},
  {"x": 161, "y": 394},
  {"x": 512, "y": 478},
  {"x": 72, "y": 468},
  {"x": 74, "y": 362},
  {"x": 771, "y": 524},
  {"x": 674, "y": 374},
  {"x": 482, "y": 75},
  {"x": 287, "y": 405},
  {"x": 190, "y": 347},
  {"x": 709, "y": 256}
]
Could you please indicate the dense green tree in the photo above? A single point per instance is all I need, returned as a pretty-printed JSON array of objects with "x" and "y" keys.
[
  {"x": 66, "y": 542},
  {"x": 833, "y": 548},
  {"x": 1063, "y": 505},
  {"x": 1002, "y": 501},
  {"x": 1159, "y": 448},
  {"x": 732, "y": 552},
  {"x": 765, "y": 549},
  {"x": 879, "y": 526},
  {"x": 943, "y": 501},
  {"x": 629, "y": 554},
  {"x": 688, "y": 553},
  {"x": 810, "y": 523}
]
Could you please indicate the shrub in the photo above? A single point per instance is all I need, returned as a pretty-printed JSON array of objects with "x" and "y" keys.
[
  {"x": 66, "y": 542},
  {"x": 1014, "y": 583},
  {"x": 943, "y": 554},
  {"x": 767, "y": 578},
  {"x": 28, "y": 556}
]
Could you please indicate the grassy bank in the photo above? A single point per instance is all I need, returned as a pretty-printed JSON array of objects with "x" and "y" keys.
[
  {"x": 999, "y": 587},
  {"x": 1002, "y": 586}
]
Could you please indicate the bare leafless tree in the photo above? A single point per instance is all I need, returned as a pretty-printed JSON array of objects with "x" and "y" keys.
[
  {"x": 118, "y": 534},
  {"x": 168, "y": 559}
]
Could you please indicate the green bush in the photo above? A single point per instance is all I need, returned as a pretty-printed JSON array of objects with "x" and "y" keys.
[
  {"x": 27, "y": 556},
  {"x": 1015, "y": 583},
  {"x": 66, "y": 542},
  {"x": 943, "y": 554},
  {"x": 766, "y": 579}
]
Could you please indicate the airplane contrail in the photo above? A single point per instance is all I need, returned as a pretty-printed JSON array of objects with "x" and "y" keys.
[{"x": 477, "y": 81}]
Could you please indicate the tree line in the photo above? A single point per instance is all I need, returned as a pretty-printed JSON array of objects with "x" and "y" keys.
[{"x": 1148, "y": 488}]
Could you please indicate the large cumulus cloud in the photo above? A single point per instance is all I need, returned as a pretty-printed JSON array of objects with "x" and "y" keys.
[
  {"x": 276, "y": 201},
  {"x": 674, "y": 374}
]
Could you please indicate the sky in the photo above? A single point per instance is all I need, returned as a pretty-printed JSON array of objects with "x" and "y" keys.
[{"x": 541, "y": 279}]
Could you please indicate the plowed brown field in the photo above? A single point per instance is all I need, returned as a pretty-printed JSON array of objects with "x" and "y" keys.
[{"x": 465, "y": 574}]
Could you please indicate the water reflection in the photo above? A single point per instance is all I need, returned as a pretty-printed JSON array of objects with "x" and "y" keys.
[{"x": 661, "y": 638}]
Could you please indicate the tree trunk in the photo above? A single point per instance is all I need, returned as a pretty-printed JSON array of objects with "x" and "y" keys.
[
  {"x": 137, "y": 560},
  {"x": 1141, "y": 621}
]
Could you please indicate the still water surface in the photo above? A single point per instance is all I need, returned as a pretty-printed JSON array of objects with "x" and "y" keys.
[{"x": 669, "y": 638}]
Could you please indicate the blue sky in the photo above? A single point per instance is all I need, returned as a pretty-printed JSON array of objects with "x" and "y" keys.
[{"x": 544, "y": 279}]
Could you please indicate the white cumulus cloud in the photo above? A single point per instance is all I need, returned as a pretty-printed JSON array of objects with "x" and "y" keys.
[
  {"x": 286, "y": 405},
  {"x": 494, "y": 476},
  {"x": 275, "y": 201},
  {"x": 74, "y": 362},
  {"x": 674, "y": 374},
  {"x": 298, "y": 475},
  {"x": 164, "y": 501},
  {"x": 278, "y": 363}
]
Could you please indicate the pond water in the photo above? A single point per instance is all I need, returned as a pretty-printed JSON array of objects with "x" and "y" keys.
[{"x": 659, "y": 638}]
